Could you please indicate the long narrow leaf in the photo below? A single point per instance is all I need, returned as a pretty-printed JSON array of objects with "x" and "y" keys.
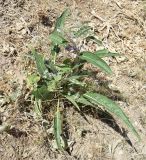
[
  {"x": 94, "y": 39},
  {"x": 73, "y": 101},
  {"x": 64, "y": 69},
  {"x": 38, "y": 108},
  {"x": 105, "y": 53},
  {"x": 57, "y": 39},
  {"x": 58, "y": 128},
  {"x": 75, "y": 80},
  {"x": 32, "y": 80},
  {"x": 96, "y": 61},
  {"x": 112, "y": 107},
  {"x": 41, "y": 92},
  {"x": 82, "y": 31},
  {"x": 61, "y": 20},
  {"x": 84, "y": 101},
  {"x": 39, "y": 59}
]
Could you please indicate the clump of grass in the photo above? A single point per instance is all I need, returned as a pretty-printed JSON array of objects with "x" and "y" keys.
[{"x": 65, "y": 81}]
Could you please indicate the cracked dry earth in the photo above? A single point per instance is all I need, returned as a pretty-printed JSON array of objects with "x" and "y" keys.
[{"x": 121, "y": 24}]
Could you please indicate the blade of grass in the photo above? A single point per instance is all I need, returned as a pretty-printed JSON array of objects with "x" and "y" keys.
[
  {"x": 84, "y": 101},
  {"x": 94, "y": 39},
  {"x": 39, "y": 59},
  {"x": 72, "y": 100},
  {"x": 58, "y": 128},
  {"x": 58, "y": 39},
  {"x": 112, "y": 107},
  {"x": 82, "y": 31},
  {"x": 38, "y": 108},
  {"x": 105, "y": 53},
  {"x": 96, "y": 61},
  {"x": 75, "y": 80},
  {"x": 61, "y": 20}
]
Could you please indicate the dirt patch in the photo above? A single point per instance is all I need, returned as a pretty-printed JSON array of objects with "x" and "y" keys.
[{"x": 122, "y": 27}]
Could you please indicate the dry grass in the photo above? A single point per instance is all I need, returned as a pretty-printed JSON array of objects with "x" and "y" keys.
[{"x": 121, "y": 25}]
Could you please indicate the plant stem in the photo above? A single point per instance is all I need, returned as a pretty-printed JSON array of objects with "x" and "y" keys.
[{"x": 54, "y": 58}]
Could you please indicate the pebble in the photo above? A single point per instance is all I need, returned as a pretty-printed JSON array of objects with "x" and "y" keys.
[{"x": 121, "y": 59}]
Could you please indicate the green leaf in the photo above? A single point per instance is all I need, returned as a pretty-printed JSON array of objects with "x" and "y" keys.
[
  {"x": 78, "y": 65},
  {"x": 64, "y": 69},
  {"x": 84, "y": 101},
  {"x": 39, "y": 59},
  {"x": 96, "y": 61},
  {"x": 61, "y": 20},
  {"x": 105, "y": 53},
  {"x": 51, "y": 86},
  {"x": 54, "y": 49},
  {"x": 72, "y": 99},
  {"x": 57, "y": 39},
  {"x": 58, "y": 77},
  {"x": 58, "y": 128},
  {"x": 75, "y": 80},
  {"x": 32, "y": 80},
  {"x": 112, "y": 107},
  {"x": 41, "y": 93},
  {"x": 94, "y": 39},
  {"x": 38, "y": 107},
  {"x": 51, "y": 68},
  {"x": 82, "y": 31}
]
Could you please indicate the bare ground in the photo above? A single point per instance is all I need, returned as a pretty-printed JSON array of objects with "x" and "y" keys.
[{"x": 122, "y": 26}]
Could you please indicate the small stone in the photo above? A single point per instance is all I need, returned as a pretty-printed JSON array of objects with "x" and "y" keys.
[
  {"x": 132, "y": 73},
  {"x": 113, "y": 87},
  {"x": 24, "y": 31},
  {"x": 121, "y": 59}
]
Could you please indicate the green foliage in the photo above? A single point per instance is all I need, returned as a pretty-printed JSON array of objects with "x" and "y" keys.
[
  {"x": 96, "y": 61},
  {"x": 32, "y": 80},
  {"x": 38, "y": 108},
  {"x": 65, "y": 82},
  {"x": 58, "y": 129},
  {"x": 57, "y": 39},
  {"x": 42, "y": 69},
  {"x": 110, "y": 106},
  {"x": 73, "y": 101},
  {"x": 94, "y": 39},
  {"x": 61, "y": 21},
  {"x": 41, "y": 92},
  {"x": 82, "y": 31},
  {"x": 105, "y": 53}
]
